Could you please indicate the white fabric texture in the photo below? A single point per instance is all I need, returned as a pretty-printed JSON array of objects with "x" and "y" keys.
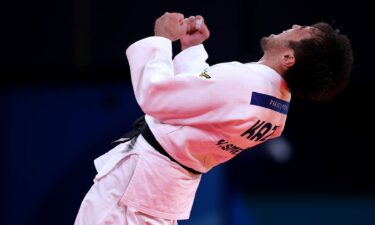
[
  {"x": 119, "y": 193},
  {"x": 202, "y": 116},
  {"x": 199, "y": 113}
]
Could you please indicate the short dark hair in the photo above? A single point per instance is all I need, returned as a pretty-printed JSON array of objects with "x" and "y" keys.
[{"x": 323, "y": 64}]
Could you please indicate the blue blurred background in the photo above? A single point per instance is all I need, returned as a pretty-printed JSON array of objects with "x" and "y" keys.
[{"x": 65, "y": 94}]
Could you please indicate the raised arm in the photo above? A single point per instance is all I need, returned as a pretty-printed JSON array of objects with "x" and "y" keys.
[
  {"x": 192, "y": 58},
  {"x": 159, "y": 91}
]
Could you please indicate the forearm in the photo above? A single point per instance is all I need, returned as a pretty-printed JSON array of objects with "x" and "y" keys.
[
  {"x": 159, "y": 91},
  {"x": 150, "y": 60}
]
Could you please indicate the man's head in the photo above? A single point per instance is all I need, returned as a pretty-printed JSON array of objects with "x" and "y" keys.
[
  {"x": 280, "y": 42},
  {"x": 316, "y": 60}
]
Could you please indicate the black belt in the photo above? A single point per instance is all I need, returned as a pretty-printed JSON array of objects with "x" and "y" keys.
[{"x": 140, "y": 127}]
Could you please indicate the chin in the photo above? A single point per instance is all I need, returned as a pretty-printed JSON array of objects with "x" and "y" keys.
[{"x": 264, "y": 42}]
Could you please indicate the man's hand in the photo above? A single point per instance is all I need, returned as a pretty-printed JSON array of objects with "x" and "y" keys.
[
  {"x": 171, "y": 26},
  {"x": 196, "y": 33}
]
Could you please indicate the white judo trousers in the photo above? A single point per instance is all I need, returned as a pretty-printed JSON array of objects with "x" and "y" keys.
[
  {"x": 135, "y": 185},
  {"x": 102, "y": 205}
]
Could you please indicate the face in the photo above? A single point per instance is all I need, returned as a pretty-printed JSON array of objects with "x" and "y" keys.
[{"x": 296, "y": 33}]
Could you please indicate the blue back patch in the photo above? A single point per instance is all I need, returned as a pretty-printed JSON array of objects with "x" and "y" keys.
[{"x": 269, "y": 102}]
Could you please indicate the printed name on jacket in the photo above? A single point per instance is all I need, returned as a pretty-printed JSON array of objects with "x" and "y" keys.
[
  {"x": 269, "y": 102},
  {"x": 260, "y": 131}
]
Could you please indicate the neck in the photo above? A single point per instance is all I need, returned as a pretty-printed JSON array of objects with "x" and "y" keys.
[{"x": 272, "y": 63}]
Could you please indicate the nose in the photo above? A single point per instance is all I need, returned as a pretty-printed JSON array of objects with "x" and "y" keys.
[{"x": 295, "y": 26}]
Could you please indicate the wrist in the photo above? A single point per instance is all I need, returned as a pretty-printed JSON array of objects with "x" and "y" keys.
[{"x": 183, "y": 47}]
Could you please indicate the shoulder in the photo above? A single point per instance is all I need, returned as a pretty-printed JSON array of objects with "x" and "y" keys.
[
  {"x": 226, "y": 69},
  {"x": 235, "y": 71}
]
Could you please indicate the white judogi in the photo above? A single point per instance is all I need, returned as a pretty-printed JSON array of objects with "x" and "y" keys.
[{"x": 202, "y": 116}]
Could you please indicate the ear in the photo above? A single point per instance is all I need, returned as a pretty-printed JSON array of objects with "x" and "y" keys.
[{"x": 288, "y": 59}]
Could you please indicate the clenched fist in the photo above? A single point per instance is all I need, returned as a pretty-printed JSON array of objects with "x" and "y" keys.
[
  {"x": 171, "y": 26},
  {"x": 196, "y": 33}
]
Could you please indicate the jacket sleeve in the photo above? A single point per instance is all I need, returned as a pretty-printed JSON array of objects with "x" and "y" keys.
[
  {"x": 191, "y": 60},
  {"x": 163, "y": 94}
]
